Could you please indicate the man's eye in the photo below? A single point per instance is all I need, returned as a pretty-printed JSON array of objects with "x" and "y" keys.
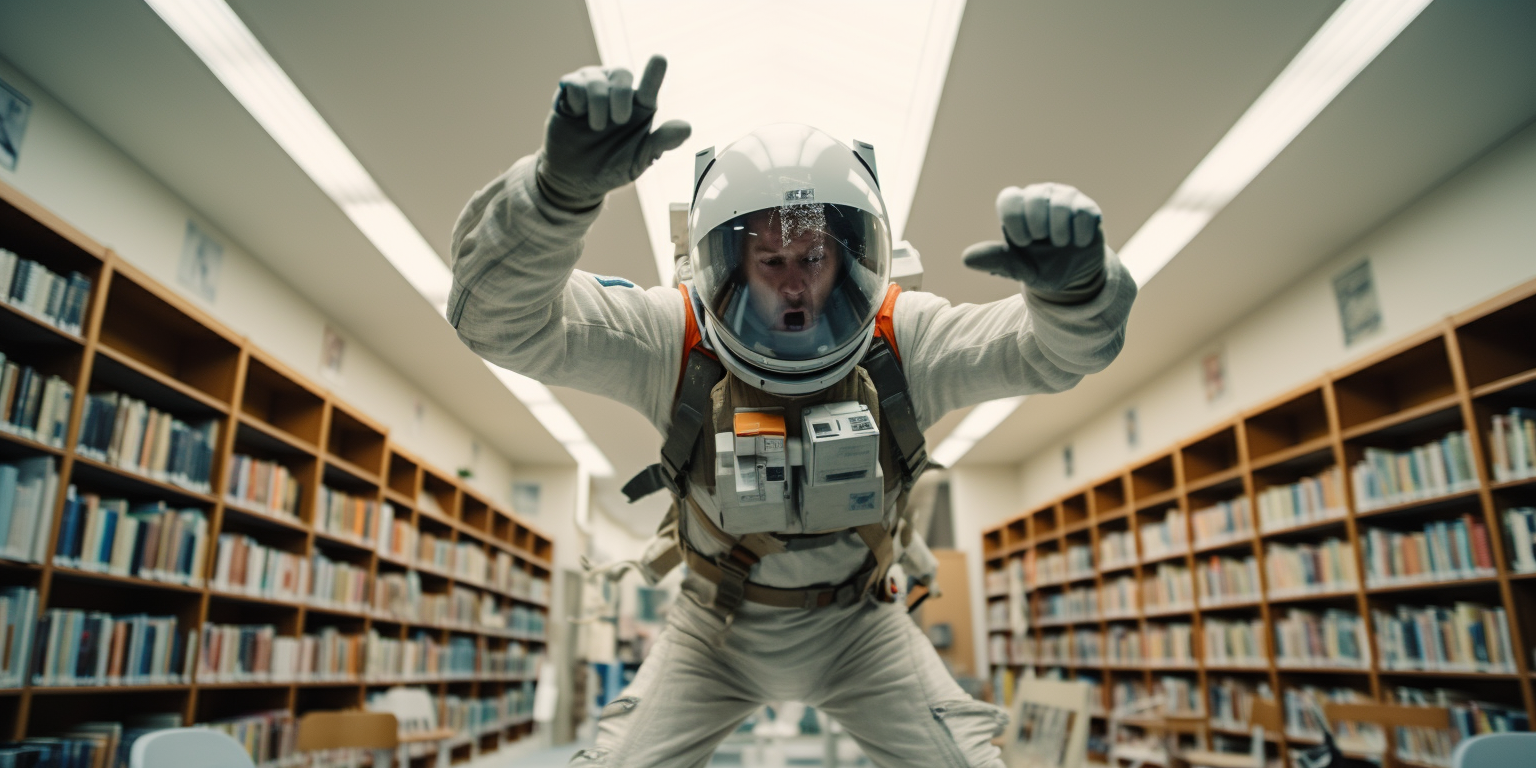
[{"x": 775, "y": 261}]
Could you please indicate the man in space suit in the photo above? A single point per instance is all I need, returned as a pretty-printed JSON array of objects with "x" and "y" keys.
[{"x": 792, "y": 382}]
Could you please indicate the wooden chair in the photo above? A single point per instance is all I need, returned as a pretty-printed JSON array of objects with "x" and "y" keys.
[
  {"x": 188, "y": 748},
  {"x": 1389, "y": 717},
  {"x": 1264, "y": 718},
  {"x": 378, "y": 732}
]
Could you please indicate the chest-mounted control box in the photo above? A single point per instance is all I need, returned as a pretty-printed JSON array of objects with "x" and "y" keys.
[{"x": 827, "y": 478}]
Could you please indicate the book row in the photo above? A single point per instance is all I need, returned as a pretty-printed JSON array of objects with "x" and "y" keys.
[
  {"x": 146, "y": 540},
  {"x": 1164, "y": 537},
  {"x": 1512, "y": 441},
  {"x": 1466, "y": 637},
  {"x": 44, "y": 294},
  {"x": 1445, "y": 549},
  {"x": 34, "y": 405},
  {"x": 267, "y": 486},
  {"x": 1226, "y": 521},
  {"x": 133, "y": 435},
  {"x": 1308, "y": 500},
  {"x": 1304, "y": 569},
  {"x": 27, "y": 490},
  {"x": 1385, "y": 477}
]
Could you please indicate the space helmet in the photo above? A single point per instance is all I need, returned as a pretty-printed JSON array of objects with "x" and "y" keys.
[{"x": 790, "y": 253}]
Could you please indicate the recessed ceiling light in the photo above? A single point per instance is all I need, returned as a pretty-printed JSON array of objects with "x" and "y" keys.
[{"x": 217, "y": 35}]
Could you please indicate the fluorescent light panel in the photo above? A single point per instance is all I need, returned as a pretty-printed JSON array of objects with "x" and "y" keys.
[
  {"x": 871, "y": 70},
  {"x": 1356, "y": 33},
  {"x": 215, "y": 33}
]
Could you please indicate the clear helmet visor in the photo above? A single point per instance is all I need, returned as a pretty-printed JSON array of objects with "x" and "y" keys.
[{"x": 793, "y": 286}]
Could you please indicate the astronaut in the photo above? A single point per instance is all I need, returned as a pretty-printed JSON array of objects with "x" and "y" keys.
[{"x": 785, "y": 355}]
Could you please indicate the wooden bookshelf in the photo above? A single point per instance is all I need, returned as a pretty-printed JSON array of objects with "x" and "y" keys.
[
  {"x": 1454, "y": 376},
  {"x": 140, "y": 338}
]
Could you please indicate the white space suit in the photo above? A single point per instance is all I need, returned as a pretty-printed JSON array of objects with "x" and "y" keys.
[{"x": 519, "y": 302}]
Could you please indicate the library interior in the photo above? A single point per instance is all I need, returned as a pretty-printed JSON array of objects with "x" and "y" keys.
[{"x": 1175, "y": 408}]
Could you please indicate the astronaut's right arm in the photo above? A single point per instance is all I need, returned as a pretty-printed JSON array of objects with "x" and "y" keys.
[{"x": 517, "y": 299}]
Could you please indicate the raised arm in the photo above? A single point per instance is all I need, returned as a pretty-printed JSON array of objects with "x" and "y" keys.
[
  {"x": 517, "y": 299},
  {"x": 1068, "y": 320}
]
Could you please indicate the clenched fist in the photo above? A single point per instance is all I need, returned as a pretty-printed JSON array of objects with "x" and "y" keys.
[{"x": 1052, "y": 243}]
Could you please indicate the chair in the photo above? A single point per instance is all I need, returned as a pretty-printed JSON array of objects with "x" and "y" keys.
[
  {"x": 1134, "y": 713},
  {"x": 188, "y": 748},
  {"x": 1495, "y": 750},
  {"x": 1048, "y": 724},
  {"x": 417, "y": 714},
  {"x": 1264, "y": 717},
  {"x": 1390, "y": 717},
  {"x": 378, "y": 732}
]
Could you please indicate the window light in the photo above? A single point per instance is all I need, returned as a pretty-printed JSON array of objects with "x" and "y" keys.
[{"x": 217, "y": 35}]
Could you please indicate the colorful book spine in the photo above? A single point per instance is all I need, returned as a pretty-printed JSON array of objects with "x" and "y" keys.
[
  {"x": 1520, "y": 526},
  {"x": 1231, "y": 701},
  {"x": 34, "y": 405},
  {"x": 1122, "y": 646},
  {"x": 146, "y": 540},
  {"x": 262, "y": 486},
  {"x": 244, "y": 566},
  {"x": 1180, "y": 695},
  {"x": 1169, "y": 588},
  {"x": 346, "y": 516},
  {"x": 1310, "y": 569},
  {"x": 1385, "y": 477},
  {"x": 28, "y": 490},
  {"x": 1333, "y": 639},
  {"x": 337, "y": 584},
  {"x": 77, "y": 647},
  {"x": 18, "y": 611},
  {"x": 1512, "y": 441},
  {"x": 1168, "y": 536},
  {"x": 1223, "y": 523},
  {"x": 1444, "y": 550},
  {"x": 129, "y": 434},
  {"x": 1118, "y": 598},
  {"x": 1076, "y": 604},
  {"x": 1308, "y": 500},
  {"x": 1170, "y": 645},
  {"x": 1087, "y": 648},
  {"x": 1466, "y": 637},
  {"x": 44, "y": 294},
  {"x": 244, "y": 653},
  {"x": 1234, "y": 643},
  {"x": 397, "y": 595},
  {"x": 1116, "y": 549},
  {"x": 271, "y": 738},
  {"x": 1227, "y": 580}
]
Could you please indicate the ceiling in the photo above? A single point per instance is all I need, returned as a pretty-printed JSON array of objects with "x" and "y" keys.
[{"x": 1120, "y": 98}]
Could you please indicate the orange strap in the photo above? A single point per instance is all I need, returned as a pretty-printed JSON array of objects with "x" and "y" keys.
[{"x": 885, "y": 324}]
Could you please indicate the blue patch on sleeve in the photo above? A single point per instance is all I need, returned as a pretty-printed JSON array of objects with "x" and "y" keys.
[{"x": 611, "y": 282}]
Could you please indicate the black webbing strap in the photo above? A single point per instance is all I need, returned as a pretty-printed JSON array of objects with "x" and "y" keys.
[
  {"x": 896, "y": 410},
  {"x": 690, "y": 411}
]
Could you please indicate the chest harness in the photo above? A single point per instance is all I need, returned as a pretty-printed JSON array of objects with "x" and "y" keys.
[{"x": 704, "y": 406}]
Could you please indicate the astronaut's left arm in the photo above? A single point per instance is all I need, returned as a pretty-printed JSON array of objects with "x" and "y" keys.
[{"x": 1067, "y": 321}]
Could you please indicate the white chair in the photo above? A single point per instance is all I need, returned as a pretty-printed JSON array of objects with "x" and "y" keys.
[
  {"x": 417, "y": 715},
  {"x": 1495, "y": 750},
  {"x": 188, "y": 748},
  {"x": 1048, "y": 724}
]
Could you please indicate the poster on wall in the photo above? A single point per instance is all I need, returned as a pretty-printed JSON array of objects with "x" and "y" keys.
[
  {"x": 202, "y": 261},
  {"x": 1213, "y": 374},
  {"x": 1359, "y": 309},
  {"x": 1132, "y": 428},
  {"x": 15, "y": 108},
  {"x": 333, "y": 349}
]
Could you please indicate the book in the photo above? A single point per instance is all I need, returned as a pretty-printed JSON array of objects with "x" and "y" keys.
[
  {"x": 43, "y": 293},
  {"x": 1332, "y": 638},
  {"x": 1385, "y": 477},
  {"x": 1466, "y": 637},
  {"x": 1308, "y": 500},
  {"x": 1307, "y": 569},
  {"x": 1443, "y": 550}
]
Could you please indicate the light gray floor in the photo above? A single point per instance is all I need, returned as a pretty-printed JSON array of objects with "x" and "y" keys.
[{"x": 799, "y": 751}]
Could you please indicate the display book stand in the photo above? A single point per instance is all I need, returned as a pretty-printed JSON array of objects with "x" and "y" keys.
[
  {"x": 1456, "y": 375},
  {"x": 141, "y": 339}
]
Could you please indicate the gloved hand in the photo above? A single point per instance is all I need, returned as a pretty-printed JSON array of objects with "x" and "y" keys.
[
  {"x": 599, "y": 135},
  {"x": 1053, "y": 243}
]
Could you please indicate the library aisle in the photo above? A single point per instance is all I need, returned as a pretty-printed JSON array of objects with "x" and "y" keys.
[{"x": 513, "y": 385}]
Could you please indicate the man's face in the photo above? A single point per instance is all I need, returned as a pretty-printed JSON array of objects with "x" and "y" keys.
[{"x": 790, "y": 268}]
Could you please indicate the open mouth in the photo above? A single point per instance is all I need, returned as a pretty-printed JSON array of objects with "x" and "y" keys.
[{"x": 794, "y": 320}]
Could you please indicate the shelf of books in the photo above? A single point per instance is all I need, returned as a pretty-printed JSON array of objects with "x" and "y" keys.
[
  {"x": 1371, "y": 536},
  {"x": 193, "y": 534}
]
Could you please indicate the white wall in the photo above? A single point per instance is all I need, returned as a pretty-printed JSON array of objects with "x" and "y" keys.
[
  {"x": 76, "y": 173},
  {"x": 1469, "y": 239},
  {"x": 981, "y": 496}
]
